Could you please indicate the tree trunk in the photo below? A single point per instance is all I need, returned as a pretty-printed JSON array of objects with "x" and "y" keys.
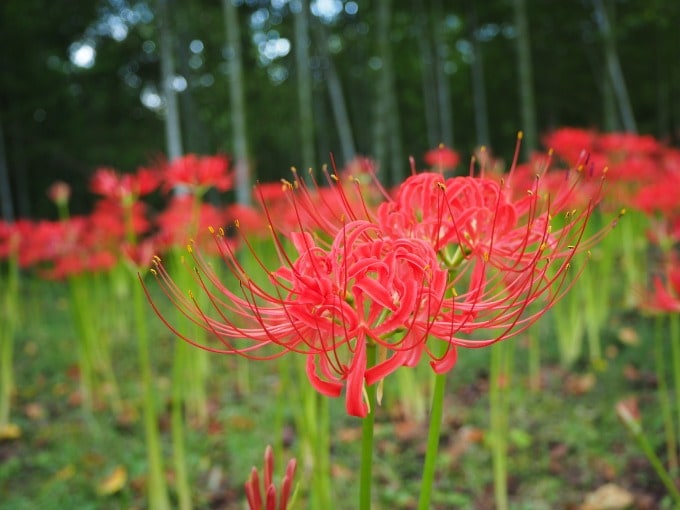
[
  {"x": 337, "y": 98},
  {"x": 237, "y": 103},
  {"x": 481, "y": 113},
  {"x": 526, "y": 79},
  {"x": 173, "y": 133},
  {"x": 388, "y": 150},
  {"x": 5, "y": 185},
  {"x": 304, "y": 85},
  {"x": 339, "y": 107},
  {"x": 427, "y": 75},
  {"x": 614, "y": 67},
  {"x": 441, "y": 78}
]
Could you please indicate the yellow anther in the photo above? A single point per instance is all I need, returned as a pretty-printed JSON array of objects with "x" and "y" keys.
[
  {"x": 237, "y": 223},
  {"x": 153, "y": 271},
  {"x": 550, "y": 151},
  {"x": 520, "y": 135},
  {"x": 211, "y": 229},
  {"x": 221, "y": 231},
  {"x": 189, "y": 248}
]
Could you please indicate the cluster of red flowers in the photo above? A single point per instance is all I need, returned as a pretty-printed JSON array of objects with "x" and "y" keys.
[
  {"x": 436, "y": 264},
  {"x": 644, "y": 176},
  {"x": 121, "y": 225}
]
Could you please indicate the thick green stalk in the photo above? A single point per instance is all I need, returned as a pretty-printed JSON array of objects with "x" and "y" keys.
[
  {"x": 663, "y": 396},
  {"x": 635, "y": 428},
  {"x": 7, "y": 331},
  {"x": 313, "y": 422},
  {"x": 499, "y": 422},
  {"x": 182, "y": 486},
  {"x": 367, "y": 438},
  {"x": 429, "y": 468},
  {"x": 674, "y": 333},
  {"x": 534, "y": 362},
  {"x": 85, "y": 339},
  {"x": 157, "y": 487}
]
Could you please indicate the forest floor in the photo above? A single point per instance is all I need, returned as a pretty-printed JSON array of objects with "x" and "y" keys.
[{"x": 567, "y": 448}]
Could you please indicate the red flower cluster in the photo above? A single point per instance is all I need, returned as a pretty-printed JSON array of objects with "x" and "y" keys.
[
  {"x": 121, "y": 225},
  {"x": 439, "y": 263}
]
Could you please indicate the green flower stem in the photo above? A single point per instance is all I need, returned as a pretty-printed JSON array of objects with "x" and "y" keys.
[
  {"x": 635, "y": 428},
  {"x": 499, "y": 380},
  {"x": 436, "y": 413},
  {"x": 534, "y": 362},
  {"x": 156, "y": 487},
  {"x": 663, "y": 395},
  {"x": 313, "y": 421},
  {"x": 182, "y": 486},
  {"x": 85, "y": 338},
  {"x": 367, "y": 437},
  {"x": 10, "y": 310},
  {"x": 674, "y": 333}
]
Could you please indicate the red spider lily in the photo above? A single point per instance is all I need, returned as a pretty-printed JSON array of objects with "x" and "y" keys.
[
  {"x": 124, "y": 188},
  {"x": 59, "y": 192},
  {"x": 442, "y": 260},
  {"x": 198, "y": 173},
  {"x": 184, "y": 218},
  {"x": 254, "y": 495},
  {"x": 442, "y": 158},
  {"x": 664, "y": 297}
]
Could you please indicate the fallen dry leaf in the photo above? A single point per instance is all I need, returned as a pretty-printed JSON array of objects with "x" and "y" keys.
[
  {"x": 580, "y": 384},
  {"x": 65, "y": 473},
  {"x": 628, "y": 336},
  {"x": 608, "y": 497},
  {"x": 34, "y": 411},
  {"x": 10, "y": 432},
  {"x": 113, "y": 483}
]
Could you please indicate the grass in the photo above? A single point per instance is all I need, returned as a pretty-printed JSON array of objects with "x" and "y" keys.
[{"x": 565, "y": 441}]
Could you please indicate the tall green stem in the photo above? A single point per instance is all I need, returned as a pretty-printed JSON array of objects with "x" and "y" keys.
[
  {"x": 499, "y": 421},
  {"x": 10, "y": 309},
  {"x": 674, "y": 333},
  {"x": 182, "y": 485},
  {"x": 663, "y": 396},
  {"x": 157, "y": 487},
  {"x": 367, "y": 438},
  {"x": 634, "y": 426},
  {"x": 429, "y": 468}
]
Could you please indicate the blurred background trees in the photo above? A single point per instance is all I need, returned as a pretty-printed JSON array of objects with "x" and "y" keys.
[{"x": 281, "y": 83}]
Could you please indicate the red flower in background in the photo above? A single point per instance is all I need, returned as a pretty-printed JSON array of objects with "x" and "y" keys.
[
  {"x": 184, "y": 218},
  {"x": 198, "y": 173},
  {"x": 442, "y": 158},
  {"x": 113, "y": 185},
  {"x": 59, "y": 192}
]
